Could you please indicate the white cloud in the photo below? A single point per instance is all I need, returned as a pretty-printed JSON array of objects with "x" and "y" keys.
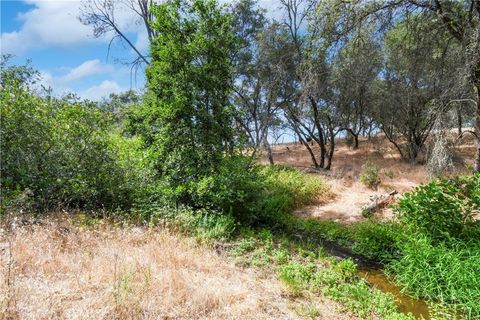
[
  {"x": 86, "y": 69},
  {"x": 104, "y": 89},
  {"x": 61, "y": 83},
  {"x": 48, "y": 24}
]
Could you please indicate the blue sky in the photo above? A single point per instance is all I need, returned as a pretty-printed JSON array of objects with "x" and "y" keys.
[{"x": 64, "y": 50}]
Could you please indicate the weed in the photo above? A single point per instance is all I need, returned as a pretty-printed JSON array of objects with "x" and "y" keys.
[{"x": 369, "y": 175}]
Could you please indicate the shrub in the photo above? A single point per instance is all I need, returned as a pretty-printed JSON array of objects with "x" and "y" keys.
[
  {"x": 377, "y": 240},
  {"x": 205, "y": 225},
  {"x": 369, "y": 175},
  {"x": 295, "y": 275},
  {"x": 442, "y": 209},
  {"x": 234, "y": 189},
  {"x": 286, "y": 189},
  {"x": 64, "y": 153}
]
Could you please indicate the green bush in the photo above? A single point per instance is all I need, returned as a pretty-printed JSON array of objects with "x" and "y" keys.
[
  {"x": 377, "y": 240},
  {"x": 205, "y": 225},
  {"x": 64, "y": 153},
  {"x": 369, "y": 175},
  {"x": 442, "y": 209},
  {"x": 235, "y": 189}
]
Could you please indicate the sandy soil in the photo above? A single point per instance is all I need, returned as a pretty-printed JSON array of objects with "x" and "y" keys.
[
  {"x": 349, "y": 194},
  {"x": 60, "y": 270}
]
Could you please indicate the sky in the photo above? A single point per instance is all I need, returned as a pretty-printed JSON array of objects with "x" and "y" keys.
[{"x": 70, "y": 59}]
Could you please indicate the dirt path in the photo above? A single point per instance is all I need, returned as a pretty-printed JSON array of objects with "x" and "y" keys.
[
  {"x": 350, "y": 195},
  {"x": 345, "y": 207}
]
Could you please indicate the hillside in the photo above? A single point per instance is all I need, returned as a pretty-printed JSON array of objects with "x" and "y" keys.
[{"x": 348, "y": 194}]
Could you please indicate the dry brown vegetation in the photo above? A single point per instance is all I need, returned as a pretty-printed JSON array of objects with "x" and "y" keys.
[
  {"x": 57, "y": 269},
  {"x": 349, "y": 195}
]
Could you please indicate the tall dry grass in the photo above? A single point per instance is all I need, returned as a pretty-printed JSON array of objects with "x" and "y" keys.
[{"x": 57, "y": 269}]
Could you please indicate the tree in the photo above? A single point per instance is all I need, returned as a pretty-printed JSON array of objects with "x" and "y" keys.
[
  {"x": 310, "y": 111},
  {"x": 355, "y": 71},
  {"x": 186, "y": 120},
  {"x": 460, "y": 19},
  {"x": 105, "y": 18},
  {"x": 255, "y": 111},
  {"x": 417, "y": 76},
  {"x": 121, "y": 104},
  {"x": 61, "y": 152}
]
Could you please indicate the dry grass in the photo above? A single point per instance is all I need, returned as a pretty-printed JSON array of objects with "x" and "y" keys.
[
  {"x": 349, "y": 194},
  {"x": 58, "y": 270}
]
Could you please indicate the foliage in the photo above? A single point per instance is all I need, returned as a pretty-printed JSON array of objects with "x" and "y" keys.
[
  {"x": 449, "y": 274},
  {"x": 205, "y": 225},
  {"x": 442, "y": 209},
  {"x": 288, "y": 189},
  {"x": 65, "y": 152},
  {"x": 440, "y": 251},
  {"x": 235, "y": 188},
  {"x": 369, "y": 175},
  {"x": 304, "y": 270},
  {"x": 185, "y": 121},
  {"x": 377, "y": 240}
]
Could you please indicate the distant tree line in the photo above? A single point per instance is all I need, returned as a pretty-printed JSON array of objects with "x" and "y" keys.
[{"x": 351, "y": 68}]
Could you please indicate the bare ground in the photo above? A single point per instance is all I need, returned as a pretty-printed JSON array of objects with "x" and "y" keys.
[
  {"x": 61, "y": 270},
  {"x": 349, "y": 195}
]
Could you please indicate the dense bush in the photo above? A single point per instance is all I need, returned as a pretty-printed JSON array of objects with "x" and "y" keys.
[
  {"x": 64, "y": 152},
  {"x": 377, "y": 240},
  {"x": 443, "y": 209},
  {"x": 235, "y": 188},
  {"x": 287, "y": 189},
  {"x": 440, "y": 249},
  {"x": 253, "y": 195}
]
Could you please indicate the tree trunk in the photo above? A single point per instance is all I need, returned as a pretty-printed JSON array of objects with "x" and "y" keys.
[
  {"x": 269, "y": 152},
  {"x": 323, "y": 149},
  {"x": 332, "y": 148},
  {"x": 476, "y": 164},
  {"x": 355, "y": 139},
  {"x": 305, "y": 143},
  {"x": 312, "y": 155},
  {"x": 459, "y": 121}
]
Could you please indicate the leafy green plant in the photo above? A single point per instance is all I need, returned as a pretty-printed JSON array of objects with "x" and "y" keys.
[
  {"x": 286, "y": 189},
  {"x": 377, "y": 240},
  {"x": 185, "y": 120},
  {"x": 295, "y": 275},
  {"x": 205, "y": 225},
  {"x": 65, "y": 152},
  {"x": 442, "y": 210},
  {"x": 369, "y": 175}
]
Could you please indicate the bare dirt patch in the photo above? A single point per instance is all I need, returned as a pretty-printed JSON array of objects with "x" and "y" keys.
[{"x": 349, "y": 195}]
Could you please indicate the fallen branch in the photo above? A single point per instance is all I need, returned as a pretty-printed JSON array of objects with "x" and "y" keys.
[{"x": 378, "y": 202}]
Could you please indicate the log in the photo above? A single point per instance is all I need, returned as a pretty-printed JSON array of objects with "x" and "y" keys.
[{"x": 378, "y": 202}]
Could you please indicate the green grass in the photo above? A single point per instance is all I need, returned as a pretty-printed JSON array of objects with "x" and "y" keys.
[
  {"x": 306, "y": 270},
  {"x": 447, "y": 274}
]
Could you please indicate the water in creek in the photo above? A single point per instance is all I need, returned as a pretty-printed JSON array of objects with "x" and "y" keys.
[
  {"x": 405, "y": 303},
  {"x": 372, "y": 272}
]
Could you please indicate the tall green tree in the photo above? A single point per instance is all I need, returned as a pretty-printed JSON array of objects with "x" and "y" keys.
[{"x": 186, "y": 120}]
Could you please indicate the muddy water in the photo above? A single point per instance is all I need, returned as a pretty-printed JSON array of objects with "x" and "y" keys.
[
  {"x": 372, "y": 272},
  {"x": 405, "y": 303}
]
